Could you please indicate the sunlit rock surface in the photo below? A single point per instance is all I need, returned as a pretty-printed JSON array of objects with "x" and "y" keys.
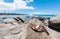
[
  {"x": 24, "y": 31},
  {"x": 31, "y": 34},
  {"x": 8, "y": 31},
  {"x": 55, "y": 19}
]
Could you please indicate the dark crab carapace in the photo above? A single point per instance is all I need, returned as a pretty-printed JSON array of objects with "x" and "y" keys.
[{"x": 38, "y": 28}]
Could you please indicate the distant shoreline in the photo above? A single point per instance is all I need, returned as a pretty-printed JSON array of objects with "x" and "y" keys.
[{"x": 11, "y": 14}]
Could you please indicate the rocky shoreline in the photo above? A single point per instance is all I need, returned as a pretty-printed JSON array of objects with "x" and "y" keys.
[{"x": 17, "y": 28}]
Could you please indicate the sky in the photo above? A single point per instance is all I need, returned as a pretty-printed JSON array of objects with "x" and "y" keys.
[{"x": 30, "y": 6}]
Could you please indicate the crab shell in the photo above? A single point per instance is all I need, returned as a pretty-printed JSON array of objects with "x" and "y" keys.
[{"x": 37, "y": 27}]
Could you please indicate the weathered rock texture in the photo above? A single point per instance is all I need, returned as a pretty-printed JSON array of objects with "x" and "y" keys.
[{"x": 24, "y": 31}]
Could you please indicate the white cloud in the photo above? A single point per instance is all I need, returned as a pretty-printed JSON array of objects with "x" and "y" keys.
[
  {"x": 29, "y": 1},
  {"x": 17, "y": 4}
]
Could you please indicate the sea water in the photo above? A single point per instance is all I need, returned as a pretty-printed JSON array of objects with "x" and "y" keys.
[
  {"x": 11, "y": 16},
  {"x": 23, "y": 16}
]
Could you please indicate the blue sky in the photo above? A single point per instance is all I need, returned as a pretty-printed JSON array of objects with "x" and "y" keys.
[
  {"x": 9, "y": 1},
  {"x": 42, "y": 6}
]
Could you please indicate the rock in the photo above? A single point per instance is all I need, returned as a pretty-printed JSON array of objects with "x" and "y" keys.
[
  {"x": 24, "y": 30},
  {"x": 8, "y": 20},
  {"x": 12, "y": 20},
  {"x": 5, "y": 29},
  {"x": 55, "y": 19},
  {"x": 31, "y": 34},
  {"x": 55, "y": 23},
  {"x": 8, "y": 31}
]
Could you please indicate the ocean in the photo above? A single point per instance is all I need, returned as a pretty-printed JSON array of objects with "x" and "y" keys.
[{"x": 23, "y": 16}]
